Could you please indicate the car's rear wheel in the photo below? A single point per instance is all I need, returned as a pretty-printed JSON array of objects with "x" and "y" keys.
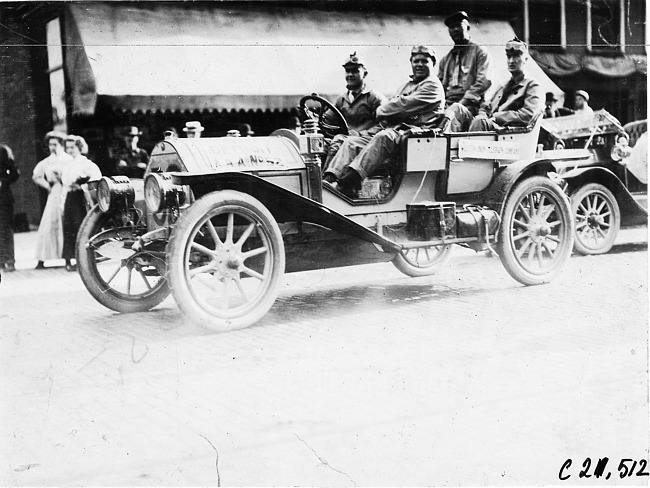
[
  {"x": 226, "y": 258},
  {"x": 116, "y": 276},
  {"x": 536, "y": 233},
  {"x": 597, "y": 219},
  {"x": 422, "y": 261}
]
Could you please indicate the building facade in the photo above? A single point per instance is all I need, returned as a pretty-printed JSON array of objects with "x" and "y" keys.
[{"x": 57, "y": 71}]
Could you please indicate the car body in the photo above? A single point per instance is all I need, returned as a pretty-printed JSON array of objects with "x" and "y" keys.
[
  {"x": 606, "y": 192},
  {"x": 218, "y": 220}
]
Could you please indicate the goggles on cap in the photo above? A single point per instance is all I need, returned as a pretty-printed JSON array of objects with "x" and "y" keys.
[
  {"x": 353, "y": 60},
  {"x": 423, "y": 50},
  {"x": 516, "y": 45}
]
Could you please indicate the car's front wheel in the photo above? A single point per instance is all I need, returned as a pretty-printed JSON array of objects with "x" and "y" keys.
[
  {"x": 535, "y": 237},
  {"x": 598, "y": 219},
  {"x": 118, "y": 277},
  {"x": 226, "y": 258}
]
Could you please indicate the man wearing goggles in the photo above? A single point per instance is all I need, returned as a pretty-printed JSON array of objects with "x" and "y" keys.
[
  {"x": 358, "y": 104},
  {"x": 512, "y": 105},
  {"x": 418, "y": 103}
]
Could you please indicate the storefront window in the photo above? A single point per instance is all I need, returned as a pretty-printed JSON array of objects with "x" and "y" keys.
[
  {"x": 605, "y": 29},
  {"x": 55, "y": 70},
  {"x": 547, "y": 25}
]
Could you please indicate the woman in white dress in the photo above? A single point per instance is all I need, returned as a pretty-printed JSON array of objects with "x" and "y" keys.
[
  {"x": 78, "y": 171},
  {"x": 47, "y": 175}
]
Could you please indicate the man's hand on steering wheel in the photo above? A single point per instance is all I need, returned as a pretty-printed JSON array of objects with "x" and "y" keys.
[{"x": 338, "y": 126}]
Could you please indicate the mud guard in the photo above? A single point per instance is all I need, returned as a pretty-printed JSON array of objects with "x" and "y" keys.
[
  {"x": 285, "y": 205},
  {"x": 494, "y": 196},
  {"x": 631, "y": 212}
]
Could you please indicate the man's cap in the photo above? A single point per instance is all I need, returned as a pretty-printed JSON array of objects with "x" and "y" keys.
[
  {"x": 423, "y": 50},
  {"x": 516, "y": 45},
  {"x": 193, "y": 126},
  {"x": 583, "y": 94},
  {"x": 353, "y": 60},
  {"x": 132, "y": 131},
  {"x": 456, "y": 17},
  {"x": 551, "y": 96}
]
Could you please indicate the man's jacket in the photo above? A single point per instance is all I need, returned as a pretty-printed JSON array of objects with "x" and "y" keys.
[
  {"x": 360, "y": 113},
  {"x": 522, "y": 101},
  {"x": 464, "y": 73},
  {"x": 415, "y": 104}
]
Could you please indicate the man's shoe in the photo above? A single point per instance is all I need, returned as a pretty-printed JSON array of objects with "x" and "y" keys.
[
  {"x": 348, "y": 191},
  {"x": 40, "y": 265},
  {"x": 329, "y": 178},
  {"x": 71, "y": 267},
  {"x": 9, "y": 267},
  {"x": 331, "y": 185},
  {"x": 350, "y": 183}
]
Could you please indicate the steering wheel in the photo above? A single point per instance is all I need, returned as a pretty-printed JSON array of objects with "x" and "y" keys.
[{"x": 339, "y": 125}]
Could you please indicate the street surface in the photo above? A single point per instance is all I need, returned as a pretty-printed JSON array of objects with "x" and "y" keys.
[{"x": 358, "y": 376}]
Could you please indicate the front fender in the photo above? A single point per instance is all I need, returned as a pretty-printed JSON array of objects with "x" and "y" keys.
[
  {"x": 285, "y": 205},
  {"x": 631, "y": 212},
  {"x": 494, "y": 196}
]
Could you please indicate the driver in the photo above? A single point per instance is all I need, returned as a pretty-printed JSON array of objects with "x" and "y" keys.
[
  {"x": 418, "y": 103},
  {"x": 358, "y": 104}
]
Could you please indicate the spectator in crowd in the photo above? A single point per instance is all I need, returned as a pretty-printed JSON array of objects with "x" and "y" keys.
[
  {"x": 550, "y": 110},
  {"x": 418, "y": 103},
  {"x": 358, "y": 105},
  {"x": 170, "y": 133},
  {"x": 513, "y": 104},
  {"x": 245, "y": 130},
  {"x": 294, "y": 124},
  {"x": 582, "y": 103},
  {"x": 621, "y": 150},
  {"x": 131, "y": 160},
  {"x": 75, "y": 173},
  {"x": 47, "y": 175},
  {"x": 193, "y": 129},
  {"x": 8, "y": 175},
  {"x": 465, "y": 70}
]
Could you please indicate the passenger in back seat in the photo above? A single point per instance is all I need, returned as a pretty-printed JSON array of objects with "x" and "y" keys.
[
  {"x": 512, "y": 105},
  {"x": 465, "y": 70}
]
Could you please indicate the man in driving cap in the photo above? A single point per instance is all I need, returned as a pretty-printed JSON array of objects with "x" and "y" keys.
[
  {"x": 465, "y": 70},
  {"x": 358, "y": 104},
  {"x": 513, "y": 104},
  {"x": 418, "y": 103}
]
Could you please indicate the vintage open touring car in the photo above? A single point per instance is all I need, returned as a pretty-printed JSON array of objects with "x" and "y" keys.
[
  {"x": 217, "y": 221},
  {"x": 606, "y": 192}
]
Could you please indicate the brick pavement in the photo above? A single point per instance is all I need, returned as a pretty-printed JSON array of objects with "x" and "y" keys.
[{"x": 357, "y": 377}]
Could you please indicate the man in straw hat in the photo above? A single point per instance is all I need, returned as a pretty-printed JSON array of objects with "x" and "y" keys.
[
  {"x": 418, "y": 103},
  {"x": 193, "y": 129}
]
